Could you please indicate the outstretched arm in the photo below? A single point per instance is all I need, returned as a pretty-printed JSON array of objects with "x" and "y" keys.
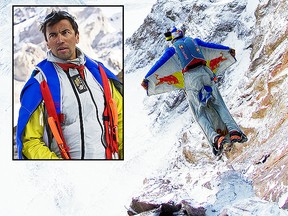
[
  {"x": 215, "y": 46},
  {"x": 165, "y": 57},
  {"x": 210, "y": 45}
]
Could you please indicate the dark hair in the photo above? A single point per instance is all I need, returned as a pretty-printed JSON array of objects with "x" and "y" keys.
[{"x": 55, "y": 17}]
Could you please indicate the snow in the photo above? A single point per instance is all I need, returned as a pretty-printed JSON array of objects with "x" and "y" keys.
[
  {"x": 135, "y": 14},
  {"x": 63, "y": 188}
]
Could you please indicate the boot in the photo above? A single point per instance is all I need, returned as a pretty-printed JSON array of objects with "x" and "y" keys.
[
  {"x": 218, "y": 145},
  {"x": 236, "y": 136}
]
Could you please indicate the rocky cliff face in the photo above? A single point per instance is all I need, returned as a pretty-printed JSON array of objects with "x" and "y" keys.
[
  {"x": 254, "y": 90},
  {"x": 265, "y": 96}
]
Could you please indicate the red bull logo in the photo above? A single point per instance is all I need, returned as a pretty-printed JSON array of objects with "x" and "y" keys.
[
  {"x": 176, "y": 80},
  {"x": 170, "y": 80},
  {"x": 215, "y": 63}
]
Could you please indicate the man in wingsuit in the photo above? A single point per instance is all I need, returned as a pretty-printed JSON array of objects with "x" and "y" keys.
[{"x": 206, "y": 103}]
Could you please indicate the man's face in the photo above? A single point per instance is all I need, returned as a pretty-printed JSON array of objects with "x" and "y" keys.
[{"x": 62, "y": 40}]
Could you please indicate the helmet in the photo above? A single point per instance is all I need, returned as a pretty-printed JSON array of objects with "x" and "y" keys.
[
  {"x": 176, "y": 33},
  {"x": 173, "y": 34},
  {"x": 168, "y": 36}
]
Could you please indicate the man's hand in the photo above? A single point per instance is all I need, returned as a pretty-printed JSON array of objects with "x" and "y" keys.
[
  {"x": 144, "y": 84},
  {"x": 232, "y": 52}
]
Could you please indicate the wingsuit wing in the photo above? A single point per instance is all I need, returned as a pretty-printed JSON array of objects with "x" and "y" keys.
[
  {"x": 166, "y": 74},
  {"x": 218, "y": 60}
]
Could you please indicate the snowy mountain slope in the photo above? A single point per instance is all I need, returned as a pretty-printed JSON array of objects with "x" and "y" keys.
[
  {"x": 254, "y": 90},
  {"x": 47, "y": 188}
]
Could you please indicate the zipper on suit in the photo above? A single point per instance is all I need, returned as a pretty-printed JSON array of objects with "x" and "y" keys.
[
  {"x": 80, "y": 116},
  {"x": 97, "y": 112}
]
